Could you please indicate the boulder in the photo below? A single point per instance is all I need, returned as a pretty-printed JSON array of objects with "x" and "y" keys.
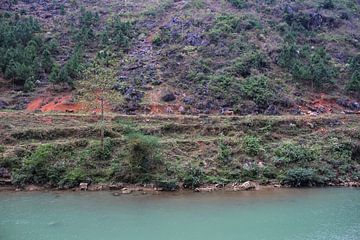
[
  {"x": 126, "y": 191},
  {"x": 4, "y": 173},
  {"x": 83, "y": 186},
  {"x": 113, "y": 187},
  {"x": 248, "y": 185},
  {"x": 169, "y": 97},
  {"x": 3, "y": 104}
]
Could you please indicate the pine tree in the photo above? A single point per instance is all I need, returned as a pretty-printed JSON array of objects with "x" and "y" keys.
[{"x": 96, "y": 89}]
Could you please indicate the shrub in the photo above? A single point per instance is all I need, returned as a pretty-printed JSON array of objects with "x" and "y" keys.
[
  {"x": 258, "y": 90},
  {"x": 162, "y": 38},
  {"x": 87, "y": 23},
  {"x": 194, "y": 177},
  {"x": 300, "y": 177},
  {"x": 354, "y": 83},
  {"x": 250, "y": 60},
  {"x": 238, "y": 3},
  {"x": 35, "y": 168},
  {"x": 355, "y": 63},
  {"x": 143, "y": 152},
  {"x": 225, "y": 25},
  {"x": 97, "y": 153},
  {"x": 224, "y": 152},
  {"x": 73, "y": 178},
  {"x": 118, "y": 33},
  {"x": 328, "y": 4},
  {"x": 290, "y": 153},
  {"x": 308, "y": 65},
  {"x": 251, "y": 145}
]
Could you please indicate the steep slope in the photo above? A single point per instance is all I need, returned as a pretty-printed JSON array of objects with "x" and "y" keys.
[{"x": 199, "y": 56}]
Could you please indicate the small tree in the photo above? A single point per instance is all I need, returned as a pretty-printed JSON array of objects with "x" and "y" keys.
[
  {"x": 354, "y": 83},
  {"x": 96, "y": 89}
]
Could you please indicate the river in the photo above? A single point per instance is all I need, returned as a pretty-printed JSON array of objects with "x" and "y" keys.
[{"x": 291, "y": 214}]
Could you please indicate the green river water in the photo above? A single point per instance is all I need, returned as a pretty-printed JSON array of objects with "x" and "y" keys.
[{"x": 291, "y": 214}]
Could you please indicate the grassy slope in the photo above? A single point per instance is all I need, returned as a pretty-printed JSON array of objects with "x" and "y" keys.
[{"x": 195, "y": 150}]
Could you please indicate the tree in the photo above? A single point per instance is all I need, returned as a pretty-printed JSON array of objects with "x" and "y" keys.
[
  {"x": 354, "y": 83},
  {"x": 96, "y": 89}
]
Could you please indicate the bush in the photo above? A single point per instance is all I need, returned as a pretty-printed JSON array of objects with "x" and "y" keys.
[
  {"x": 87, "y": 23},
  {"x": 97, "y": 153},
  {"x": 118, "y": 33},
  {"x": 355, "y": 63},
  {"x": 354, "y": 83},
  {"x": 142, "y": 152},
  {"x": 194, "y": 177},
  {"x": 251, "y": 145},
  {"x": 290, "y": 153},
  {"x": 35, "y": 168},
  {"x": 162, "y": 38},
  {"x": 224, "y": 152},
  {"x": 308, "y": 65},
  {"x": 238, "y": 3},
  {"x": 224, "y": 26},
  {"x": 250, "y": 60},
  {"x": 73, "y": 178},
  {"x": 300, "y": 177},
  {"x": 328, "y": 4},
  {"x": 258, "y": 90}
]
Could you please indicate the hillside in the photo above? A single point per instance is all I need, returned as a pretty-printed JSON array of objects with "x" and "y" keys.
[
  {"x": 196, "y": 93},
  {"x": 172, "y": 152},
  {"x": 188, "y": 57}
]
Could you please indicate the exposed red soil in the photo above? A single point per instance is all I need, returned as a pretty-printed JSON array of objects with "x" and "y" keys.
[
  {"x": 321, "y": 104},
  {"x": 55, "y": 104}
]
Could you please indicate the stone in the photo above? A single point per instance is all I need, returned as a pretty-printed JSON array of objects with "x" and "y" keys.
[
  {"x": 126, "y": 191},
  {"x": 113, "y": 187},
  {"x": 3, "y": 104},
  {"x": 83, "y": 186},
  {"x": 169, "y": 97},
  {"x": 272, "y": 110},
  {"x": 4, "y": 173},
  {"x": 248, "y": 185}
]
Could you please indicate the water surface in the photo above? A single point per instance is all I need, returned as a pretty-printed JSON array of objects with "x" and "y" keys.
[{"x": 326, "y": 214}]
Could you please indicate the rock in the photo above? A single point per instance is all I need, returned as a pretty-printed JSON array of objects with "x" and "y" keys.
[
  {"x": 116, "y": 194},
  {"x": 126, "y": 191},
  {"x": 4, "y": 173},
  {"x": 169, "y": 97},
  {"x": 194, "y": 39},
  {"x": 113, "y": 187},
  {"x": 32, "y": 188},
  {"x": 205, "y": 189},
  {"x": 3, "y": 104},
  {"x": 83, "y": 186},
  {"x": 272, "y": 110},
  {"x": 248, "y": 185}
]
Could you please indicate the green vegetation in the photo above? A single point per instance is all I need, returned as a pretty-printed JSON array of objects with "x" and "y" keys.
[
  {"x": 24, "y": 56},
  {"x": 118, "y": 33},
  {"x": 300, "y": 177},
  {"x": 143, "y": 153},
  {"x": 354, "y": 83},
  {"x": 305, "y": 64},
  {"x": 251, "y": 145},
  {"x": 86, "y": 29},
  {"x": 290, "y": 153},
  {"x": 238, "y": 3},
  {"x": 258, "y": 90},
  {"x": 220, "y": 152}
]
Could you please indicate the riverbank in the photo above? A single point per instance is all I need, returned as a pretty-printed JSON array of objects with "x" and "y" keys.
[
  {"x": 178, "y": 152},
  {"x": 124, "y": 189}
]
